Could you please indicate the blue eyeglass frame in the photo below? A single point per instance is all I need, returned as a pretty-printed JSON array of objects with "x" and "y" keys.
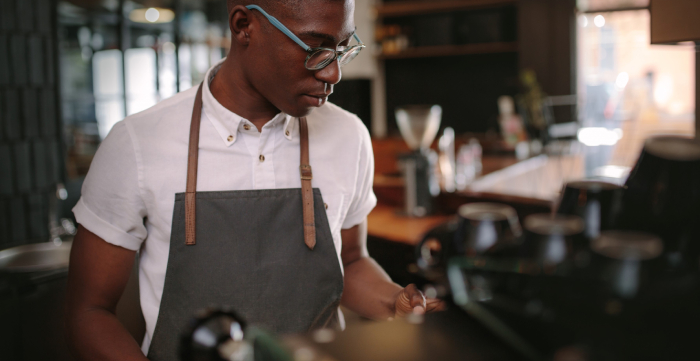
[{"x": 312, "y": 51}]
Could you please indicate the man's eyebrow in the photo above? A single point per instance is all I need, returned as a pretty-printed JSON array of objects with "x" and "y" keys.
[{"x": 331, "y": 38}]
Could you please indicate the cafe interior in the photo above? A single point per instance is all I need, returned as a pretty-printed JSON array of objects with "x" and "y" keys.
[{"x": 536, "y": 167}]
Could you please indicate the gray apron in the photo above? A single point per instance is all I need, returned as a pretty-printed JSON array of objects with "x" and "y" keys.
[{"x": 252, "y": 254}]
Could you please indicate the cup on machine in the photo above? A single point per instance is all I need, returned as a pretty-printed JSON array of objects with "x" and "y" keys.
[
  {"x": 479, "y": 228},
  {"x": 483, "y": 225},
  {"x": 662, "y": 193},
  {"x": 551, "y": 239},
  {"x": 625, "y": 257},
  {"x": 597, "y": 203}
]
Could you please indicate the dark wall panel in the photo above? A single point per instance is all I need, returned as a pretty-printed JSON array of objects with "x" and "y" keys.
[
  {"x": 31, "y": 157},
  {"x": 354, "y": 95},
  {"x": 38, "y": 216},
  {"x": 30, "y": 113},
  {"x": 2, "y": 118},
  {"x": 43, "y": 15},
  {"x": 7, "y": 14},
  {"x": 7, "y": 178},
  {"x": 18, "y": 53},
  {"x": 47, "y": 113},
  {"x": 49, "y": 62},
  {"x": 11, "y": 118},
  {"x": 55, "y": 159},
  {"x": 23, "y": 166},
  {"x": 467, "y": 87},
  {"x": 18, "y": 220},
  {"x": 4, "y": 61},
  {"x": 25, "y": 14},
  {"x": 36, "y": 60},
  {"x": 41, "y": 165},
  {"x": 4, "y": 224},
  {"x": 546, "y": 32}
]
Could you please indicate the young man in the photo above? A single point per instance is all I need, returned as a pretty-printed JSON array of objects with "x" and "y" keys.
[{"x": 256, "y": 131}]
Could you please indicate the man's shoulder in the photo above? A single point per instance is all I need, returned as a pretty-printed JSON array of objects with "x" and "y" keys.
[
  {"x": 339, "y": 121},
  {"x": 168, "y": 111}
]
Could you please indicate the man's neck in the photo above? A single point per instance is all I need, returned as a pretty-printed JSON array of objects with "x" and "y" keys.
[{"x": 230, "y": 88}]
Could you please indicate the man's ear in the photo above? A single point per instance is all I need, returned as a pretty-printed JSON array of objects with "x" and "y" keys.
[{"x": 239, "y": 21}]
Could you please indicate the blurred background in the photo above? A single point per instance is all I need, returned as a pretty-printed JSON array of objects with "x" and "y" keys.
[
  {"x": 531, "y": 94},
  {"x": 71, "y": 69}
]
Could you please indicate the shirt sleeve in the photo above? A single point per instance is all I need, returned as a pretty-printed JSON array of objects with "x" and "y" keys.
[
  {"x": 110, "y": 205},
  {"x": 363, "y": 200}
]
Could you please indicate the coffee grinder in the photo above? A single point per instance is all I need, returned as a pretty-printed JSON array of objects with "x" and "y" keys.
[{"x": 419, "y": 125}]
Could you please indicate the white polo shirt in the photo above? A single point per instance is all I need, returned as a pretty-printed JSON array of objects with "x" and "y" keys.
[{"x": 129, "y": 193}]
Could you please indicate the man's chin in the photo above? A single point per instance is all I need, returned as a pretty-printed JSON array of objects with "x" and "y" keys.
[{"x": 301, "y": 110}]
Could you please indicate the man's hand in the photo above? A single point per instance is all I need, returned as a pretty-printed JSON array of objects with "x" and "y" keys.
[
  {"x": 368, "y": 289},
  {"x": 410, "y": 300}
]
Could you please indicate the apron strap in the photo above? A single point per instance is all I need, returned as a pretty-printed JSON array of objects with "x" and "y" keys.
[
  {"x": 192, "y": 158},
  {"x": 191, "y": 190},
  {"x": 307, "y": 195}
]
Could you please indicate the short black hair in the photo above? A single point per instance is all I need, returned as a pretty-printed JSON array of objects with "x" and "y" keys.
[{"x": 265, "y": 4}]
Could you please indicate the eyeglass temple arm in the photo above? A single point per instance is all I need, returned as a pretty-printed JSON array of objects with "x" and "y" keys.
[
  {"x": 279, "y": 26},
  {"x": 358, "y": 39}
]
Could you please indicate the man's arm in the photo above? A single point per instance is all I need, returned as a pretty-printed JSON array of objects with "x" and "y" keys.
[
  {"x": 368, "y": 289},
  {"x": 97, "y": 276}
]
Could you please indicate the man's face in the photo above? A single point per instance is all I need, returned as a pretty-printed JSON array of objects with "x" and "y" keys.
[{"x": 275, "y": 63}]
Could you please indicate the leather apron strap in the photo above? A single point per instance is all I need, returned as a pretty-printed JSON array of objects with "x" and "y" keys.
[
  {"x": 192, "y": 158},
  {"x": 307, "y": 195},
  {"x": 191, "y": 189}
]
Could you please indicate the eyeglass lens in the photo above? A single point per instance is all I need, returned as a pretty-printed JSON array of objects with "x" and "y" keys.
[
  {"x": 322, "y": 58},
  {"x": 347, "y": 57}
]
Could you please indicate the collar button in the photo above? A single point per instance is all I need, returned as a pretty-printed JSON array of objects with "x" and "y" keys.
[
  {"x": 286, "y": 132},
  {"x": 230, "y": 138},
  {"x": 246, "y": 126}
]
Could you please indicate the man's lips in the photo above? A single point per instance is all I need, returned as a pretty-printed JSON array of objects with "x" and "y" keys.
[
  {"x": 320, "y": 95},
  {"x": 317, "y": 99}
]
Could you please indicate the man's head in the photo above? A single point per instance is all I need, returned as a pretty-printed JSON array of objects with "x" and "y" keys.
[{"x": 273, "y": 64}]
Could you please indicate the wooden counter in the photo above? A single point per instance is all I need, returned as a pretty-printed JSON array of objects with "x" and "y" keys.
[
  {"x": 530, "y": 186},
  {"x": 387, "y": 223}
]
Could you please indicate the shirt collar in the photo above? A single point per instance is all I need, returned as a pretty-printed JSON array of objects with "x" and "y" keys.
[{"x": 228, "y": 123}]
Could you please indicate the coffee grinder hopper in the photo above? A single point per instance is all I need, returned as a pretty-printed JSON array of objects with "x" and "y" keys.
[{"x": 419, "y": 125}]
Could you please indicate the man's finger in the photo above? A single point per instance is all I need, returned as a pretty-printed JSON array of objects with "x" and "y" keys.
[
  {"x": 434, "y": 304},
  {"x": 417, "y": 299}
]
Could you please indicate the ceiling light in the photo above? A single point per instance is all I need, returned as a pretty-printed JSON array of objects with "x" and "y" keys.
[
  {"x": 152, "y": 15},
  {"x": 599, "y": 21}
]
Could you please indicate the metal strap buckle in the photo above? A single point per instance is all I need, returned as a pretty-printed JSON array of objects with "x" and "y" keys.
[{"x": 305, "y": 171}]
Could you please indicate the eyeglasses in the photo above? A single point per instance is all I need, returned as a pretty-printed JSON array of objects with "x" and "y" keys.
[{"x": 318, "y": 58}]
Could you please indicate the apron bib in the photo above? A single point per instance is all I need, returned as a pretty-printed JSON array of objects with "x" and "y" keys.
[{"x": 256, "y": 252}]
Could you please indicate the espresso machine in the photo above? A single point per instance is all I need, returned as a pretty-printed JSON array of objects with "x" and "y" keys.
[{"x": 419, "y": 125}]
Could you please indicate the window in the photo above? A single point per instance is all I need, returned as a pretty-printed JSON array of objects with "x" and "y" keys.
[
  {"x": 119, "y": 58},
  {"x": 630, "y": 88}
]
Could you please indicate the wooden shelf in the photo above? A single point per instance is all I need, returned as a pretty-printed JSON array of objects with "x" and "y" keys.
[
  {"x": 451, "y": 50},
  {"x": 394, "y": 9}
]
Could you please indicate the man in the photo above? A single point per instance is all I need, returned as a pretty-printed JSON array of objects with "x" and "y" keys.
[{"x": 245, "y": 141}]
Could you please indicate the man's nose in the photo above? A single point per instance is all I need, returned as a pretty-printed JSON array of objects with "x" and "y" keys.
[{"x": 331, "y": 74}]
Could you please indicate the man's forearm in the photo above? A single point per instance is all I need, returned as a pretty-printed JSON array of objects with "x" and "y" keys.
[
  {"x": 97, "y": 334},
  {"x": 368, "y": 289},
  {"x": 97, "y": 276}
]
